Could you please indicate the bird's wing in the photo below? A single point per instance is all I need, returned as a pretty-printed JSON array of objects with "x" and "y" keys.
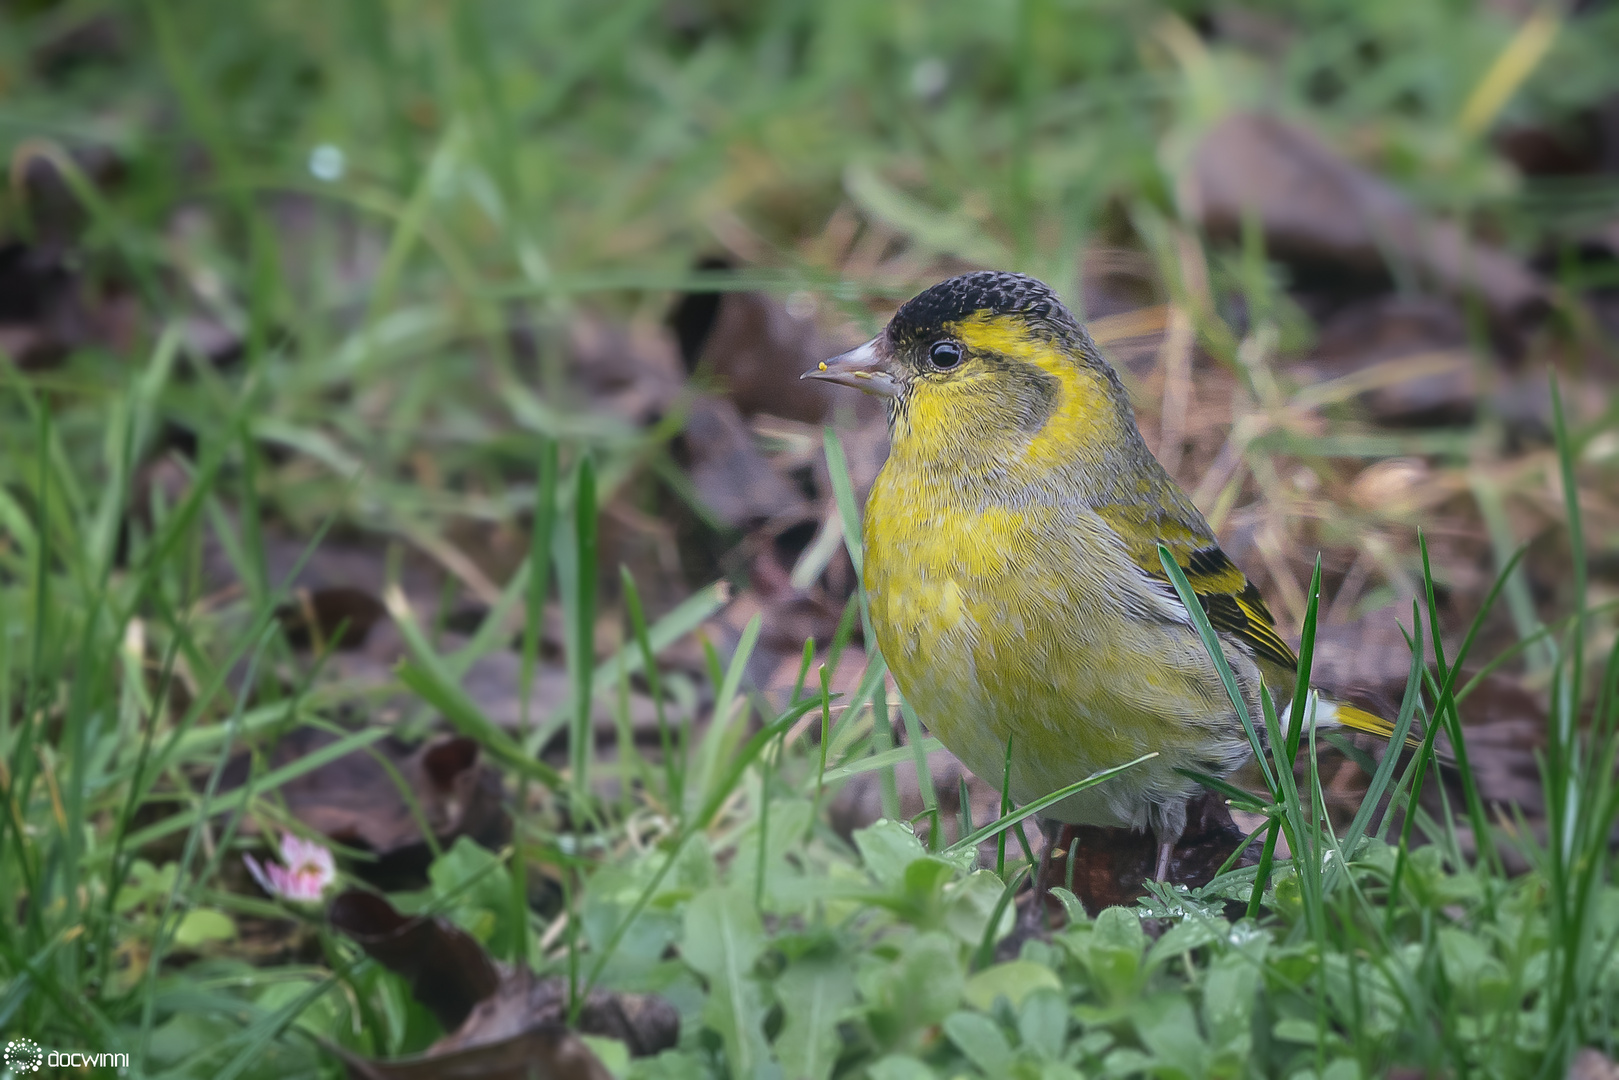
[{"x": 1230, "y": 600}]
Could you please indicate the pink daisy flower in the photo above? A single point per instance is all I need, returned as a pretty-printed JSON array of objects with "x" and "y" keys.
[{"x": 304, "y": 873}]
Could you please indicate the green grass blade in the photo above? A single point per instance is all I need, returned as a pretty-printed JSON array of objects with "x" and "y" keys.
[
  {"x": 233, "y": 800},
  {"x": 582, "y": 633},
  {"x": 837, "y": 464},
  {"x": 464, "y": 715},
  {"x": 1028, "y": 810},
  {"x": 1446, "y": 712},
  {"x": 1301, "y": 684},
  {"x": 673, "y": 769},
  {"x": 1402, "y": 728},
  {"x": 1211, "y": 644},
  {"x": 885, "y": 760},
  {"x": 724, "y": 714}
]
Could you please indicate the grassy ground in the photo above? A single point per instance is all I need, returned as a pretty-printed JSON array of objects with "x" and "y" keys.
[{"x": 331, "y": 270}]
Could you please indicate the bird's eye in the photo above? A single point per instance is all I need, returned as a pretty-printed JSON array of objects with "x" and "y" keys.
[{"x": 944, "y": 355}]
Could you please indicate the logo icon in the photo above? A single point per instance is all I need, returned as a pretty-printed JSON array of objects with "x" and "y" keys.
[{"x": 24, "y": 1056}]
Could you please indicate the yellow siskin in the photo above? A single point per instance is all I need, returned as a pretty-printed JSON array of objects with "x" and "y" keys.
[{"x": 1012, "y": 563}]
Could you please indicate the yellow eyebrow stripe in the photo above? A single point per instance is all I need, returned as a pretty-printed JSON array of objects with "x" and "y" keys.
[{"x": 1009, "y": 337}]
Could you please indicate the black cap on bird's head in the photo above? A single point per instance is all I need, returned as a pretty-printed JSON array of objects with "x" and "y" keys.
[
  {"x": 982, "y": 293},
  {"x": 924, "y": 336}
]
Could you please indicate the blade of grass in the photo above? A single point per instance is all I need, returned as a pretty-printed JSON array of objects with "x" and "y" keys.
[
  {"x": 1506, "y": 655},
  {"x": 803, "y": 670},
  {"x": 1006, "y": 806},
  {"x": 540, "y": 538},
  {"x": 885, "y": 760},
  {"x": 1211, "y": 644},
  {"x": 844, "y": 632},
  {"x": 1296, "y": 717},
  {"x": 1445, "y": 711},
  {"x": 826, "y": 736},
  {"x": 1274, "y": 779},
  {"x": 918, "y": 744},
  {"x": 673, "y": 770},
  {"x": 196, "y": 823},
  {"x": 1418, "y": 768},
  {"x": 972, "y": 839},
  {"x": 882, "y": 738},
  {"x": 465, "y": 716},
  {"x": 1243, "y": 800},
  {"x": 984, "y": 955},
  {"x": 1417, "y": 772},
  {"x": 875, "y": 672},
  {"x": 679, "y": 621},
  {"x": 1402, "y": 728},
  {"x": 1301, "y": 685},
  {"x": 582, "y": 633},
  {"x": 232, "y": 800},
  {"x": 723, "y": 716}
]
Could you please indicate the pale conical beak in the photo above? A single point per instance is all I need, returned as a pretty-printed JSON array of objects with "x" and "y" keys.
[{"x": 863, "y": 367}]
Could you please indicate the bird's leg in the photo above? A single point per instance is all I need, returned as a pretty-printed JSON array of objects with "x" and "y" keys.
[
  {"x": 1165, "y": 850},
  {"x": 1168, "y": 822}
]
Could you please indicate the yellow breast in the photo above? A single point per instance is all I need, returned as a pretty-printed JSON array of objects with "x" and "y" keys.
[{"x": 1015, "y": 621}]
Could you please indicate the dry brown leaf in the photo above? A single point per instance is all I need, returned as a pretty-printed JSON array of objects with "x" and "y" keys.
[
  {"x": 1315, "y": 205},
  {"x": 732, "y": 475},
  {"x": 501, "y": 1023}
]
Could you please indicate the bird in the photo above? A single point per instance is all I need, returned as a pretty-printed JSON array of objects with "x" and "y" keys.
[{"x": 1012, "y": 569}]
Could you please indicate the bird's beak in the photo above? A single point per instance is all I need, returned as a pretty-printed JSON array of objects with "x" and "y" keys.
[{"x": 864, "y": 368}]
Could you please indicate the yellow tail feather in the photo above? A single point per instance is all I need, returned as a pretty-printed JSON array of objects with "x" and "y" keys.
[{"x": 1360, "y": 720}]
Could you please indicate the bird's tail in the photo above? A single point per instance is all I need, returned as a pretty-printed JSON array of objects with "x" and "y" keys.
[{"x": 1324, "y": 712}]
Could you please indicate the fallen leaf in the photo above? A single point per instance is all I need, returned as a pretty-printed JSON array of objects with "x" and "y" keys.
[
  {"x": 1541, "y": 151},
  {"x": 1316, "y": 206},
  {"x": 448, "y": 971},
  {"x": 544, "y": 1052},
  {"x": 732, "y": 476},
  {"x": 500, "y": 1022},
  {"x": 644, "y": 1023},
  {"x": 43, "y": 316},
  {"x": 631, "y": 371},
  {"x": 1396, "y": 486},
  {"x": 1426, "y": 372},
  {"x": 755, "y": 349},
  {"x": 316, "y": 617},
  {"x": 77, "y": 42}
]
